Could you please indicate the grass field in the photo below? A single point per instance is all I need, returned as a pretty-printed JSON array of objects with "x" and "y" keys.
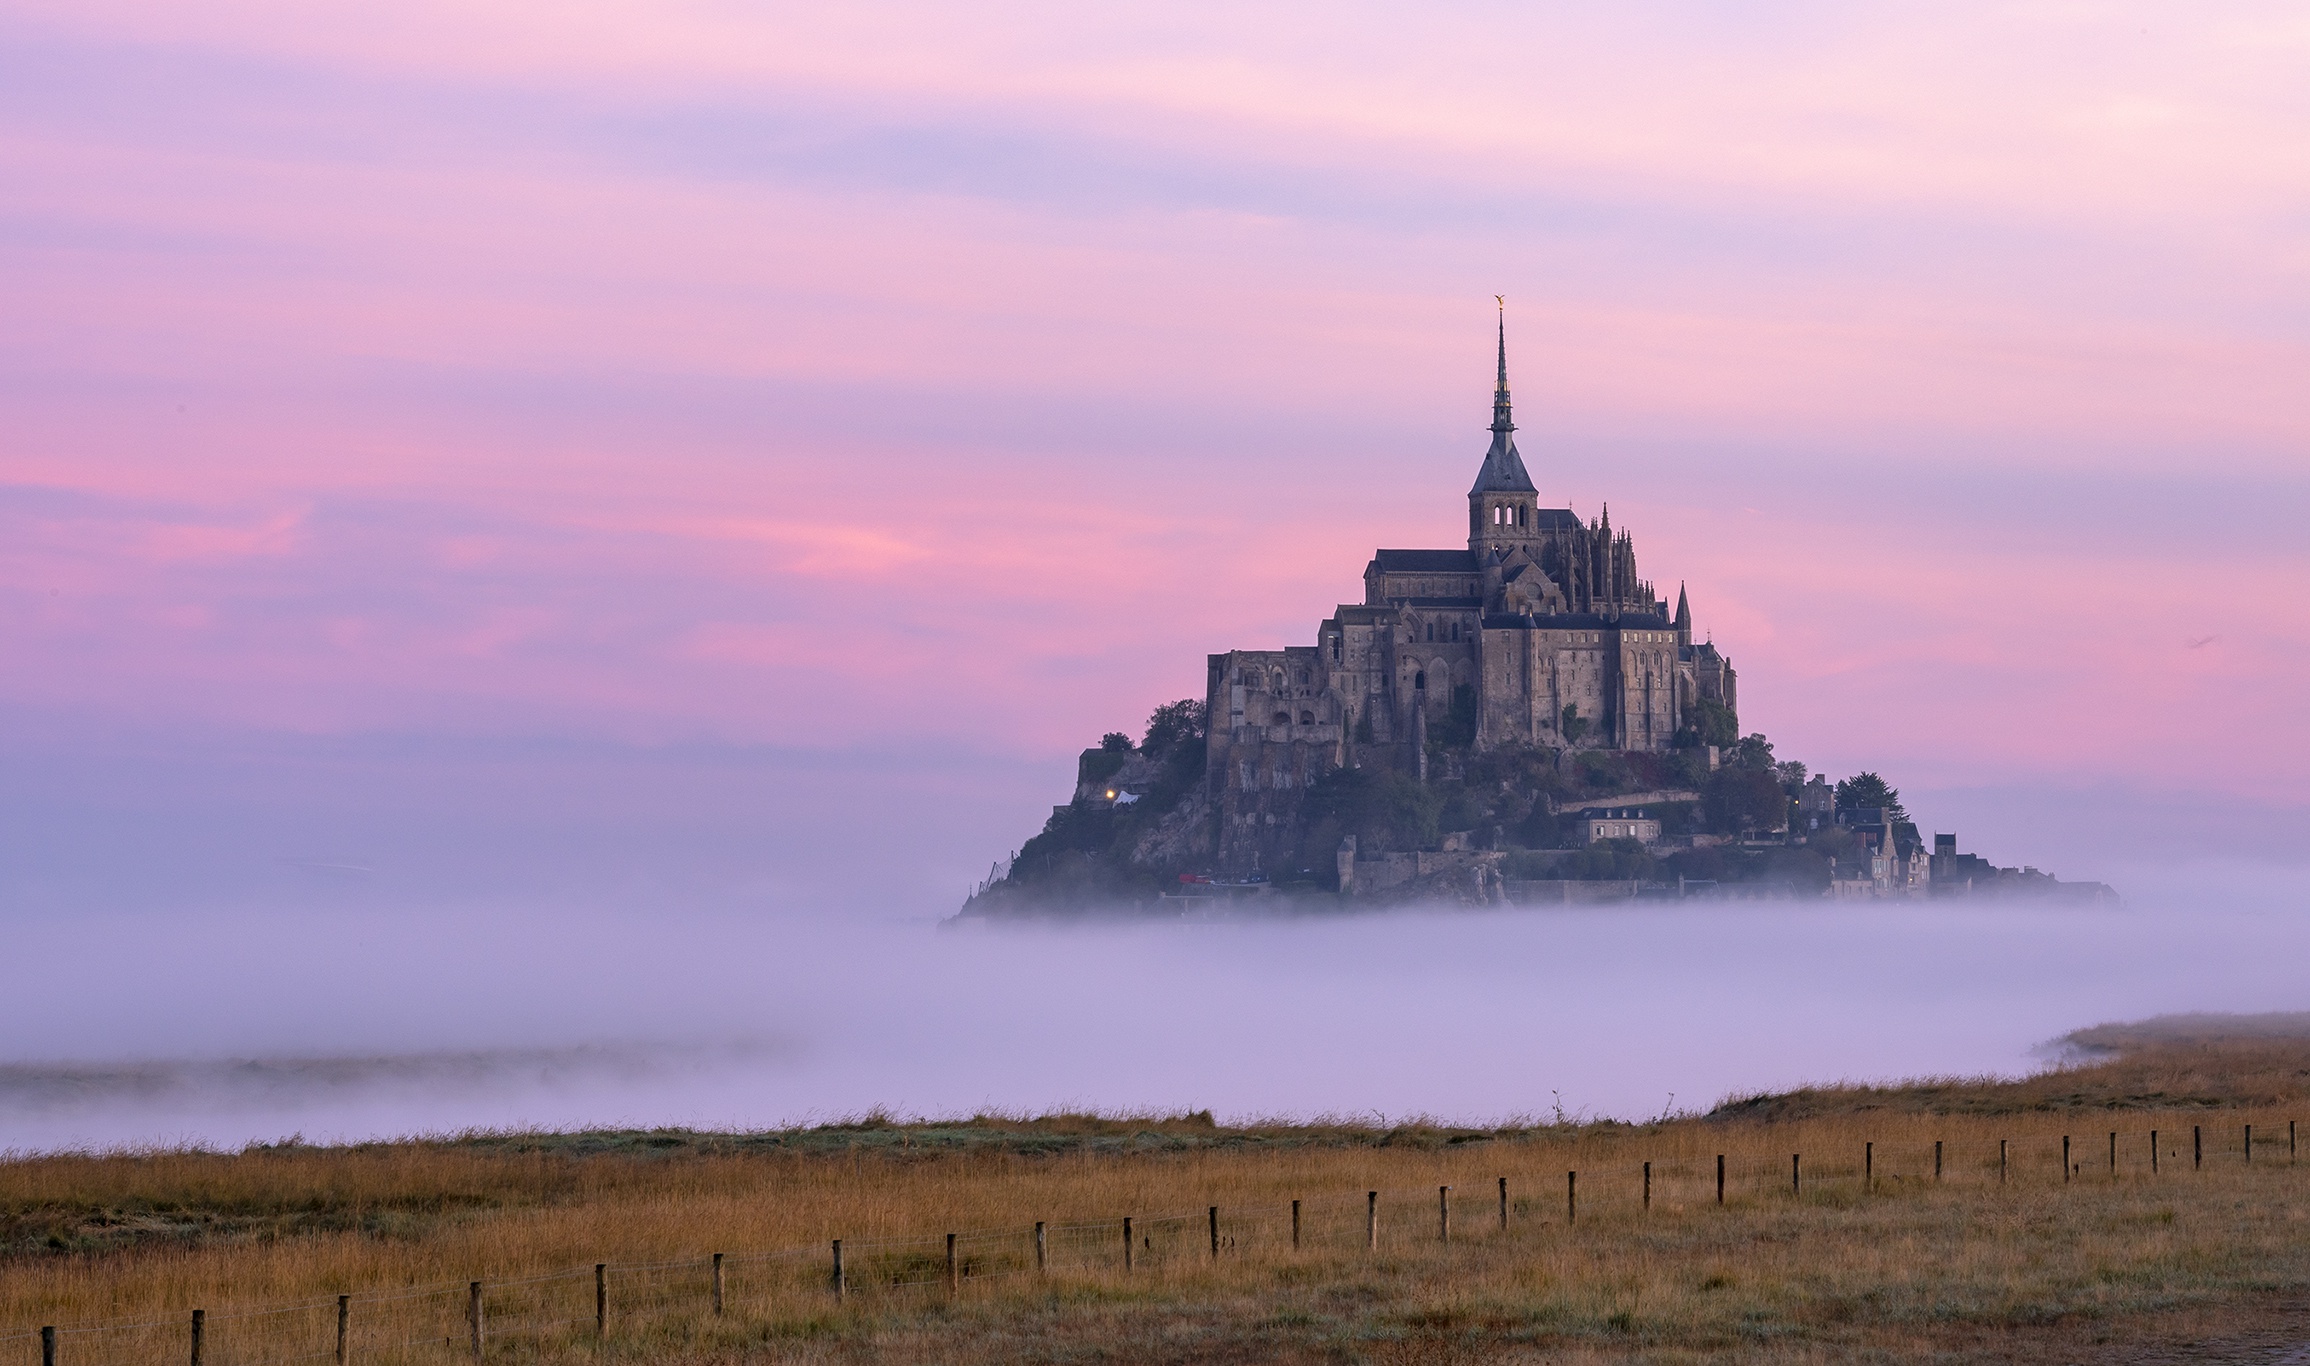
[{"x": 1841, "y": 1234}]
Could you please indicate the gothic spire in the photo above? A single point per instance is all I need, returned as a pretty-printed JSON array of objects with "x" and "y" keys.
[
  {"x": 1683, "y": 612},
  {"x": 1503, "y": 470}
]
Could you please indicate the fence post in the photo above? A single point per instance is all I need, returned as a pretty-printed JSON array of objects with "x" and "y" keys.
[
  {"x": 840, "y": 1289},
  {"x": 1042, "y": 1251},
  {"x": 1127, "y": 1249},
  {"x": 1295, "y": 1226},
  {"x": 1720, "y": 1178},
  {"x": 473, "y": 1317},
  {"x": 1215, "y": 1233},
  {"x": 2249, "y": 1145},
  {"x": 1571, "y": 1197},
  {"x": 1796, "y": 1174},
  {"x": 1648, "y": 1185},
  {"x": 200, "y": 1321},
  {"x": 2001, "y": 1162},
  {"x": 48, "y": 1346},
  {"x": 1443, "y": 1214},
  {"x": 2065, "y": 1157},
  {"x": 1937, "y": 1159},
  {"x": 1869, "y": 1166},
  {"x": 1503, "y": 1204},
  {"x": 717, "y": 1285},
  {"x": 953, "y": 1269},
  {"x": 2290, "y": 1153},
  {"x": 344, "y": 1317},
  {"x": 2197, "y": 1146},
  {"x": 1371, "y": 1221},
  {"x": 601, "y": 1300}
]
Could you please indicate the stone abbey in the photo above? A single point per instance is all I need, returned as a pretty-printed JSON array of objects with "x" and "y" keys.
[{"x": 1540, "y": 633}]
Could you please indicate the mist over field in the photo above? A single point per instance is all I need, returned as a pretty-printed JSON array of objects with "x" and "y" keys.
[{"x": 314, "y": 963}]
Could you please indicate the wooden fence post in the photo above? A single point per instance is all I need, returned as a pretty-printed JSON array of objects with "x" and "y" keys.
[
  {"x": 717, "y": 1285},
  {"x": 1042, "y": 1251},
  {"x": 1371, "y": 1221},
  {"x": 1648, "y": 1185},
  {"x": 601, "y": 1300},
  {"x": 344, "y": 1321},
  {"x": 1295, "y": 1226},
  {"x": 48, "y": 1346},
  {"x": 1937, "y": 1159},
  {"x": 2113, "y": 1155},
  {"x": 1571, "y": 1197},
  {"x": 2001, "y": 1162},
  {"x": 1869, "y": 1166},
  {"x": 1128, "y": 1250},
  {"x": 953, "y": 1269},
  {"x": 1796, "y": 1174},
  {"x": 840, "y": 1288},
  {"x": 473, "y": 1317},
  {"x": 1443, "y": 1214},
  {"x": 2153, "y": 1152},
  {"x": 200, "y": 1321},
  {"x": 1720, "y": 1178},
  {"x": 2249, "y": 1145},
  {"x": 2065, "y": 1157},
  {"x": 2197, "y": 1146},
  {"x": 2290, "y": 1152},
  {"x": 1503, "y": 1204},
  {"x": 1215, "y": 1233}
]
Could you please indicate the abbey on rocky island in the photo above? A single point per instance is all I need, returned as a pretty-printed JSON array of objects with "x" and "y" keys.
[{"x": 1540, "y": 633}]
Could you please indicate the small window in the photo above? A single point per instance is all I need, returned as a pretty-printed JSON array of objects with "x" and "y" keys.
[
  {"x": 1420, "y": 681},
  {"x": 1283, "y": 718},
  {"x": 1307, "y": 718}
]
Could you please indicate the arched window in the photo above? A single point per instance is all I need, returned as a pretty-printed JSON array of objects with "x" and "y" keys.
[
  {"x": 1431, "y": 630},
  {"x": 1307, "y": 718},
  {"x": 1420, "y": 681},
  {"x": 1522, "y": 515},
  {"x": 1283, "y": 718}
]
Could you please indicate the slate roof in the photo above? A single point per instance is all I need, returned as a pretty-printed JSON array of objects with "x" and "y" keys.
[{"x": 1424, "y": 561}]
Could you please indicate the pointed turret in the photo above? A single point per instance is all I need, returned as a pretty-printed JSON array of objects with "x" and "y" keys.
[
  {"x": 1503, "y": 470},
  {"x": 1683, "y": 618},
  {"x": 1503, "y": 507}
]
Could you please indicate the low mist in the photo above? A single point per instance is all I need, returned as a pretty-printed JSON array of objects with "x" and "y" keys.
[{"x": 221, "y": 1027}]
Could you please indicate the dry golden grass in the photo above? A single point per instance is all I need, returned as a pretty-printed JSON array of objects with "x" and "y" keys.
[{"x": 1907, "y": 1268}]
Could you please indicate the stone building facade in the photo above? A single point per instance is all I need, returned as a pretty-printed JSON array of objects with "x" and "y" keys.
[{"x": 1540, "y": 633}]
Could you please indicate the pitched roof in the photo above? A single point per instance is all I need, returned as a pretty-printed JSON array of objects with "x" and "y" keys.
[{"x": 1424, "y": 561}]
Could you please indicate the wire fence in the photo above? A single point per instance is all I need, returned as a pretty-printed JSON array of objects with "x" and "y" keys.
[{"x": 672, "y": 1301}]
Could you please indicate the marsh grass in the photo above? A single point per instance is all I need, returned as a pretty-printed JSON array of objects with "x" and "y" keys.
[{"x": 118, "y": 1249}]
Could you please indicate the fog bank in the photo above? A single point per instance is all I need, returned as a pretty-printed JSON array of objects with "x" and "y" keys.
[{"x": 221, "y": 1026}]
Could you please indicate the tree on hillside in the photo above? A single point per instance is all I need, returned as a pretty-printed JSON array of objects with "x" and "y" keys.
[
  {"x": 1868, "y": 790},
  {"x": 1708, "y": 722},
  {"x": 1173, "y": 723},
  {"x": 1115, "y": 742},
  {"x": 1738, "y": 799}
]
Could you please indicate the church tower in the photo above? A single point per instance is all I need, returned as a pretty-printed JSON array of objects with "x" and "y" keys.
[{"x": 1503, "y": 507}]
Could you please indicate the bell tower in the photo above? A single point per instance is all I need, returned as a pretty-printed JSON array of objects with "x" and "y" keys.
[{"x": 1503, "y": 507}]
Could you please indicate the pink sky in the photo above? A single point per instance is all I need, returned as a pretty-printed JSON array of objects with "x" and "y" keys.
[{"x": 859, "y": 378}]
